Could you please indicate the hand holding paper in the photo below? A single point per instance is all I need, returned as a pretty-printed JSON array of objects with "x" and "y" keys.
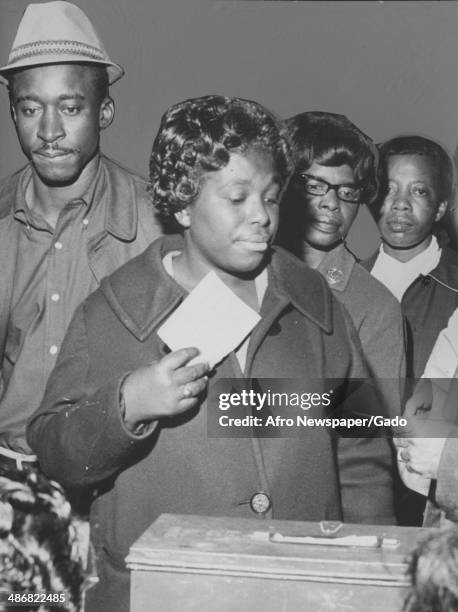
[{"x": 164, "y": 388}]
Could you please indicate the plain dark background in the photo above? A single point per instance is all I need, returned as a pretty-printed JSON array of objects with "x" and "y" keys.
[{"x": 391, "y": 67}]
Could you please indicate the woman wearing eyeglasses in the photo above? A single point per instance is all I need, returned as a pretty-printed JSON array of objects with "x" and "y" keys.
[{"x": 335, "y": 172}]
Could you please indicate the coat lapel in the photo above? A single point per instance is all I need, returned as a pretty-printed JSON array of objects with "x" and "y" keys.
[
  {"x": 141, "y": 293},
  {"x": 115, "y": 193}
]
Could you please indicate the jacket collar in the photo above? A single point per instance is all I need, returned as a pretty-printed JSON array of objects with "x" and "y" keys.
[
  {"x": 114, "y": 190},
  {"x": 8, "y": 193},
  {"x": 142, "y": 294},
  {"x": 305, "y": 288},
  {"x": 369, "y": 263},
  {"x": 337, "y": 266},
  {"x": 445, "y": 273}
]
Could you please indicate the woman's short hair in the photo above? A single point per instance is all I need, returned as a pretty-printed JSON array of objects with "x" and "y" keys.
[
  {"x": 418, "y": 145},
  {"x": 433, "y": 572},
  {"x": 198, "y": 135},
  {"x": 332, "y": 140}
]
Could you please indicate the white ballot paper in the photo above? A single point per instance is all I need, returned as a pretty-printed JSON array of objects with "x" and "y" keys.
[{"x": 212, "y": 318}]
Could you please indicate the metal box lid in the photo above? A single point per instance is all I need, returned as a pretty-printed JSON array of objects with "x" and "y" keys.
[{"x": 244, "y": 547}]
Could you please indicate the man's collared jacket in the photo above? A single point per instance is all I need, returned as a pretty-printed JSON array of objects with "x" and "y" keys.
[{"x": 126, "y": 225}]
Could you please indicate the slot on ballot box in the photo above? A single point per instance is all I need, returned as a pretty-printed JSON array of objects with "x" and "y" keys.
[{"x": 194, "y": 563}]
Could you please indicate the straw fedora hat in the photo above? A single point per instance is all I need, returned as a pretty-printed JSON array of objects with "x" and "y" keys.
[{"x": 54, "y": 33}]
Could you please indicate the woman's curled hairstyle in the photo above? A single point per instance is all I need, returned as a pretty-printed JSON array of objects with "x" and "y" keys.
[{"x": 198, "y": 135}]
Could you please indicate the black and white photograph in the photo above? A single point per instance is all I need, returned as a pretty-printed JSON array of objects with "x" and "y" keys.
[{"x": 229, "y": 306}]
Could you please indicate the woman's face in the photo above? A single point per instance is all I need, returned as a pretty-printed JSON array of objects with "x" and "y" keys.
[
  {"x": 231, "y": 224},
  {"x": 326, "y": 219},
  {"x": 412, "y": 204}
]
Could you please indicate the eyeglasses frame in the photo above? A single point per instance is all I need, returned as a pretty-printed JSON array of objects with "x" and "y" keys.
[{"x": 304, "y": 176}]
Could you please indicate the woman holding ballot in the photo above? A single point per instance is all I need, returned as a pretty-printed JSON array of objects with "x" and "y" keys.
[{"x": 126, "y": 414}]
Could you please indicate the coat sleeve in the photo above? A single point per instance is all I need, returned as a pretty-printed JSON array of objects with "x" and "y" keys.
[
  {"x": 78, "y": 432},
  {"x": 366, "y": 465}
]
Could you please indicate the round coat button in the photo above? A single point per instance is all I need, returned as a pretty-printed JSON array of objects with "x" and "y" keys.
[{"x": 260, "y": 503}]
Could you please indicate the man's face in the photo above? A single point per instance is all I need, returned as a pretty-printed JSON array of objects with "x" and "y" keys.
[
  {"x": 325, "y": 219},
  {"x": 411, "y": 205},
  {"x": 232, "y": 222},
  {"x": 58, "y": 118}
]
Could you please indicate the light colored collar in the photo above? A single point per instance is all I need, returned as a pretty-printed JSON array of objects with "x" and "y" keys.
[{"x": 397, "y": 276}]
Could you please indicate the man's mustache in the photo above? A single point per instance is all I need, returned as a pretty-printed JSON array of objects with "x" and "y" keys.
[{"x": 54, "y": 149}]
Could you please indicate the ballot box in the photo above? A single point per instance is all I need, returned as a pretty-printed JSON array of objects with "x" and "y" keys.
[{"x": 217, "y": 564}]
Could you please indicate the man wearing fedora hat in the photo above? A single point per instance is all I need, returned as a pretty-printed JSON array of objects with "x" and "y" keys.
[{"x": 67, "y": 219}]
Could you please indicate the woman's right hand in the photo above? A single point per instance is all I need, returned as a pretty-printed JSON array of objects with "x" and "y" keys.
[{"x": 164, "y": 388}]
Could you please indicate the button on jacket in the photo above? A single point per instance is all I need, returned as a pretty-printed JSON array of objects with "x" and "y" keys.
[{"x": 80, "y": 438}]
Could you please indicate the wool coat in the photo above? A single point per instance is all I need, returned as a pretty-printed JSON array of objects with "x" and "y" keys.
[
  {"x": 377, "y": 316},
  {"x": 81, "y": 440}
]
